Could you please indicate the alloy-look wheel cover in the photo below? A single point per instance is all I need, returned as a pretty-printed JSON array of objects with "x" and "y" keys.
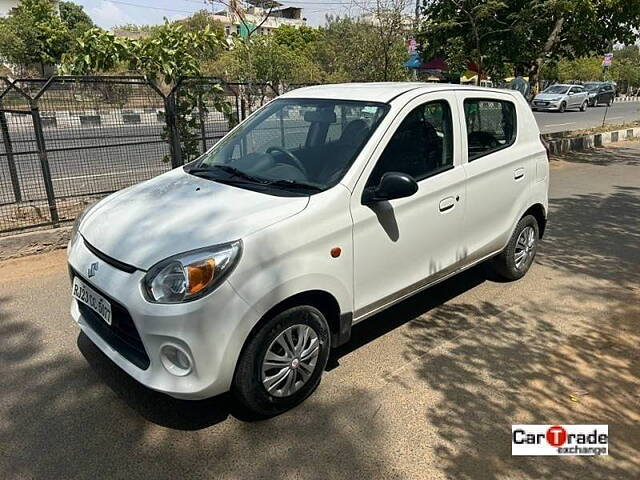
[
  {"x": 525, "y": 247},
  {"x": 290, "y": 360}
]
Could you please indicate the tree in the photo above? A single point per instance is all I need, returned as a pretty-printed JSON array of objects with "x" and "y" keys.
[
  {"x": 33, "y": 34},
  {"x": 584, "y": 69},
  {"x": 164, "y": 57},
  {"x": 74, "y": 16},
  {"x": 529, "y": 33},
  {"x": 349, "y": 50},
  {"x": 390, "y": 25}
]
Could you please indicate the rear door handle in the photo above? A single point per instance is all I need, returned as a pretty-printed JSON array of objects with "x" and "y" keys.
[
  {"x": 447, "y": 204},
  {"x": 518, "y": 173}
]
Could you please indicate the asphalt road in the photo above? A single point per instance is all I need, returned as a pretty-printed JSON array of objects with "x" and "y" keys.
[
  {"x": 427, "y": 389},
  {"x": 618, "y": 113}
]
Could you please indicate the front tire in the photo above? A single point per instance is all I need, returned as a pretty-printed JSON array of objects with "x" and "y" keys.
[
  {"x": 516, "y": 259},
  {"x": 562, "y": 108},
  {"x": 583, "y": 107},
  {"x": 282, "y": 362}
]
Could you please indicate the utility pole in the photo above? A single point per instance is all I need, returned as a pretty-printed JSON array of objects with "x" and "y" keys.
[{"x": 416, "y": 27}]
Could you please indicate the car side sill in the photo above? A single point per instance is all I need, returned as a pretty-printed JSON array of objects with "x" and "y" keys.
[{"x": 397, "y": 297}]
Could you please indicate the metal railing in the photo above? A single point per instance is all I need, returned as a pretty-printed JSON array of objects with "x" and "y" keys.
[{"x": 69, "y": 140}]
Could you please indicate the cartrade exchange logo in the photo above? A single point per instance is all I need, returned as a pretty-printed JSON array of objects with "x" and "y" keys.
[{"x": 560, "y": 440}]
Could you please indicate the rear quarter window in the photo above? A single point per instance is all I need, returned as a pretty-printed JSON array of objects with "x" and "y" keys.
[{"x": 491, "y": 125}]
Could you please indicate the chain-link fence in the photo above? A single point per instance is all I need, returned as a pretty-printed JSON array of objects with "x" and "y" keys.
[{"x": 69, "y": 140}]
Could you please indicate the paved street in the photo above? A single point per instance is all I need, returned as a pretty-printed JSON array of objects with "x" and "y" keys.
[
  {"x": 619, "y": 113},
  {"x": 428, "y": 389}
]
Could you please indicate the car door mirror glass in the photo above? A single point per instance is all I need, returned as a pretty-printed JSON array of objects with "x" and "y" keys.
[{"x": 392, "y": 185}]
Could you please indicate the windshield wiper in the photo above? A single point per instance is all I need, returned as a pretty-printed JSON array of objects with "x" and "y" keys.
[
  {"x": 209, "y": 171},
  {"x": 293, "y": 184}
]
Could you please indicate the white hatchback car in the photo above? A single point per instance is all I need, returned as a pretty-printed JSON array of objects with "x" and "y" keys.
[{"x": 241, "y": 270}]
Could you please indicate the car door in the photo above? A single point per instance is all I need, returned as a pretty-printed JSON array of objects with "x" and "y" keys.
[
  {"x": 402, "y": 245},
  {"x": 500, "y": 168},
  {"x": 574, "y": 97}
]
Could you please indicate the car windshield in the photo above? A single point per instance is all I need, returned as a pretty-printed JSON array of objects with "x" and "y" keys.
[
  {"x": 557, "y": 89},
  {"x": 295, "y": 146},
  {"x": 592, "y": 86}
]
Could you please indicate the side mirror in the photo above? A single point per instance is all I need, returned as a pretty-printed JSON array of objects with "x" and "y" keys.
[{"x": 392, "y": 185}]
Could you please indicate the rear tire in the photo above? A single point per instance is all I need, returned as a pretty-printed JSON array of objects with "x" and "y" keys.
[
  {"x": 268, "y": 386},
  {"x": 516, "y": 259}
]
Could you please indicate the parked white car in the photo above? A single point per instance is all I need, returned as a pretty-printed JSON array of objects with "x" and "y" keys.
[
  {"x": 241, "y": 270},
  {"x": 561, "y": 97}
]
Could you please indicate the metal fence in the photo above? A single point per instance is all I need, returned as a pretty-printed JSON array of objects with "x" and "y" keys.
[{"x": 67, "y": 141}]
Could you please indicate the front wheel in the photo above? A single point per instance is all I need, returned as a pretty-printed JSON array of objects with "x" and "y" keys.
[
  {"x": 283, "y": 361},
  {"x": 514, "y": 261},
  {"x": 563, "y": 107},
  {"x": 583, "y": 107}
]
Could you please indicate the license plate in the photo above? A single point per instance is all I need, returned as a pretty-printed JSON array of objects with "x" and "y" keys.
[
  {"x": 87, "y": 295},
  {"x": 541, "y": 103}
]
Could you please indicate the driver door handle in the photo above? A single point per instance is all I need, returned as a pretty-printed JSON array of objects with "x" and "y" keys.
[
  {"x": 518, "y": 173},
  {"x": 447, "y": 204}
]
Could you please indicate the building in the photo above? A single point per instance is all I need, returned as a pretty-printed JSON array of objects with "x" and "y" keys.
[
  {"x": 6, "y": 6},
  {"x": 254, "y": 15}
]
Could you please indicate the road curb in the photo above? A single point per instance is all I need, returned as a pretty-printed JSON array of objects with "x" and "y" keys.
[
  {"x": 584, "y": 142},
  {"x": 32, "y": 243},
  {"x": 626, "y": 99}
]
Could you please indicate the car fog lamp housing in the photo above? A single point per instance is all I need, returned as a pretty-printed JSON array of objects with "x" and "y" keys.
[
  {"x": 190, "y": 275},
  {"x": 176, "y": 360}
]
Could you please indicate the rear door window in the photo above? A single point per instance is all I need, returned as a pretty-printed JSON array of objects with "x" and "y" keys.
[{"x": 491, "y": 125}]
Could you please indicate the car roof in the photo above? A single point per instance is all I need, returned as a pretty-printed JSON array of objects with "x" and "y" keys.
[{"x": 383, "y": 92}]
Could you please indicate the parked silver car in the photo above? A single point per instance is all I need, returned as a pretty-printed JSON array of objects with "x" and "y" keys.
[{"x": 560, "y": 97}]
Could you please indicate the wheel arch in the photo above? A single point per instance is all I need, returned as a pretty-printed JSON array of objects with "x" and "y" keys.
[
  {"x": 538, "y": 212},
  {"x": 339, "y": 322}
]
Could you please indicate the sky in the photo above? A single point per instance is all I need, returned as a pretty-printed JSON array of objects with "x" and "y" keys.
[{"x": 108, "y": 13}]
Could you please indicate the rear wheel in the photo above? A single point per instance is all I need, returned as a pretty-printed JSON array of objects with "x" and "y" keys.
[
  {"x": 514, "y": 261},
  {"x": 283, "y": 361}
]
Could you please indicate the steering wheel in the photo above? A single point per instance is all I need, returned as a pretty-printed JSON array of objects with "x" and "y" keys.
[{"x": 295, "y": 160}]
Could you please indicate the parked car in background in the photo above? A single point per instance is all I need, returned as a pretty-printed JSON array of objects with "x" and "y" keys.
[
  {"x": 561, "y": 97},
  {"x": 242, "y": 270},
  {"x": 600, "y": 93}
]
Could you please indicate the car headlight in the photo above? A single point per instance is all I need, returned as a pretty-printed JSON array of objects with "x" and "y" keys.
[
  {"x": 75, "y": 230},
  {"x": 592, "y": 95},
  {"x": 191, "y": 275}
]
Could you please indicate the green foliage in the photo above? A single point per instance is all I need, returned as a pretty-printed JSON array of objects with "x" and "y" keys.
[
  {"x": 584, "y": 69},
  {"x": 74, "y": 16},
  {"x": 33, "y": 34},
  {"x": 170, "y": 52},
  {"x": 527, "y": 33},
  {"x": 199, "y": 21}
]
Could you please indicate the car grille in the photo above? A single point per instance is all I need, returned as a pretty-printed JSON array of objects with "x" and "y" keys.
[{"x": 122, "y": 335}]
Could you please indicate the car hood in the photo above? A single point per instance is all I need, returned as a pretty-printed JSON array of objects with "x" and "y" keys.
[
  {"x": 548, "y": 96},
  {"x": 177, "y": 212}
]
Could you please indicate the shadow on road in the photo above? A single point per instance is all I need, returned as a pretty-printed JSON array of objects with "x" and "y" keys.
[
  {"x": 620, "y": 155},
  {"x": 521, "y": 364}
]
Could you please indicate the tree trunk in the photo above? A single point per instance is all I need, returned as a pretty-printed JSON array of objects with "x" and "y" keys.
[{"x": 552, "y": 39}]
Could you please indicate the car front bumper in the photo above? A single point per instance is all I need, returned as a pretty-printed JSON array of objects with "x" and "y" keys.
[
  {"x": 210, "y": 331},
  {"x": 549, "y": 106}
]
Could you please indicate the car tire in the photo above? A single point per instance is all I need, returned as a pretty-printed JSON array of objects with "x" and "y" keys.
[
  {"x": 562, "y": 107},
  {"x": 595, "y": 102},
  {"x": 260, "y": 384},
  {"x": 583, "y": 107},
  {"x": 524, "y": 239},
  {"x": 609, "y": 102}
]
